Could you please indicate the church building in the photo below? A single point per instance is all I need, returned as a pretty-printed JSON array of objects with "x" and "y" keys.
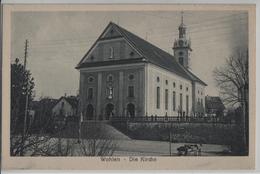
[{"x": 123, "y": 75}]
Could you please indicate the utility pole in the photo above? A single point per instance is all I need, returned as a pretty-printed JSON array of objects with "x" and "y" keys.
[{"x": 26, "y": 93}]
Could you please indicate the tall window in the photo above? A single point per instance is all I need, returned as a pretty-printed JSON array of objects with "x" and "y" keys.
[
  {"x": 158, "y": 98},
  {"x": 110, "y": 78},
  {"x": 187, "y": 104},
  {"x": 181, "y": 60},
  {"x": 166, "y": 99},
  {"x": 90, "y": 93},
  {"x": 111, "y": 53},
  {"x": 173, "y": 100},
  {"x": 130, "y": 91},
  {"x": 181, "y": 102},
  {"x": 201, "y": 101}
]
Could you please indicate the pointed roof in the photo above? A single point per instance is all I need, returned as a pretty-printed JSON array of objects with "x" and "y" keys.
[
  {"x": 152, "y": 54},
  {"x": 182, "y": 25}
]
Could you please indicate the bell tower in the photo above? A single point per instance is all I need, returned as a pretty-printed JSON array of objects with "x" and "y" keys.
[{"x": 181, "y": 46}]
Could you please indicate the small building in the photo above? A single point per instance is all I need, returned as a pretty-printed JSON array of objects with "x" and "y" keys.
[
  {"x": 66, "y": 106},
  {"x": 214, "y": 106}
]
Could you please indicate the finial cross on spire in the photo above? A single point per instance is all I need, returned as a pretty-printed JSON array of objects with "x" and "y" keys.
[{"x": 182, "y": 17}]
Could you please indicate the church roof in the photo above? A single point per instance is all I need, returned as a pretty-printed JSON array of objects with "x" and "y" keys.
[{"x": 155, "y": 55}]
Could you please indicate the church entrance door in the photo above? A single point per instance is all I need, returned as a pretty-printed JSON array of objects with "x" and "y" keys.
[
  {"x": 109, "y": 111},
  {"x": 90, "y": 112},
  {"x": 131, "y": 110}
]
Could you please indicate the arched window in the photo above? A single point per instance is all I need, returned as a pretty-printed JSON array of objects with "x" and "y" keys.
[
  {"x": 158, "y": 97},
  {"x": 90, "y": 93},
  {"x": 173, "y": 101},
  {"x": 166, "y": 99},
  {"x": 187, "y": 104},
  {"x": 181, "y": 102},
  {"x": 130, "y": 91}
]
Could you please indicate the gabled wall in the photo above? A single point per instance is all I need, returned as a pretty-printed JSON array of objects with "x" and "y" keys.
[{"x": 67, "y": 108}]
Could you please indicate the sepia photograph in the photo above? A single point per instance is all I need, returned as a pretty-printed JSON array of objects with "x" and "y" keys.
[{"x": 132, "y": 83}]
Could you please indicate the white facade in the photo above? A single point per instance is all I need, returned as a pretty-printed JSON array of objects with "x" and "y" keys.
[{"x": 173, "y": 83}]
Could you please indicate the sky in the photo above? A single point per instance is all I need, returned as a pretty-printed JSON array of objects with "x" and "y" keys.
[{"x": 58, "y": 41}]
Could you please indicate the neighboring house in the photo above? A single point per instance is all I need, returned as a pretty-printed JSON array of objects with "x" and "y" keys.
[
  {"x": 43, "y": 113},
  {"x": 124, "y": 75},
  {"x": 66, "y": 106},
  {"x": 214, "y": 106}
]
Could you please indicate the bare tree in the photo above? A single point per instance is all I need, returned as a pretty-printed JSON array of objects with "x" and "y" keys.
[
  {"x": 98, "y": 143},
  {"x": 233, "y": 81},
  {"x": 26, "y": 144}
]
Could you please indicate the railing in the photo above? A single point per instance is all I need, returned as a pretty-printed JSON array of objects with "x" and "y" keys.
[{"x": 163, "y": 119}]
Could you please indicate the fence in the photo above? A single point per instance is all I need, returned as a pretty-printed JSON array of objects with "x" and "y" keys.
[{"x": 165, "y": 119}]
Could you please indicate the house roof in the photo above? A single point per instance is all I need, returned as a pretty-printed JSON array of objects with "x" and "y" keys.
[
  {"x": 214, "y": 103},
  {"x": 152, "y": 54},
  {"x": 72, "y": 100}
]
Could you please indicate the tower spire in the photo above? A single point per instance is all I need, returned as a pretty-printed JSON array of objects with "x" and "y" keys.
[
  {"x": 182, "y": 17},
  {"x": 181, "y": 46}
]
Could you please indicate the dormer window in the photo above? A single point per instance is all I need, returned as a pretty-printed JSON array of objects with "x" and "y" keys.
[
  {"x": 91, "y": 58},
  {"x": 111, "y": 53}
]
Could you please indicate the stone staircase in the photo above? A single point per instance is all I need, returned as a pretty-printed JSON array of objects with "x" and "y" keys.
[{"x": 101, "y": 130}]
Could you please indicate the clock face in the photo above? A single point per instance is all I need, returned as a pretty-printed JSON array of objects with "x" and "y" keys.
[{"x": 181, "y": 42}]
